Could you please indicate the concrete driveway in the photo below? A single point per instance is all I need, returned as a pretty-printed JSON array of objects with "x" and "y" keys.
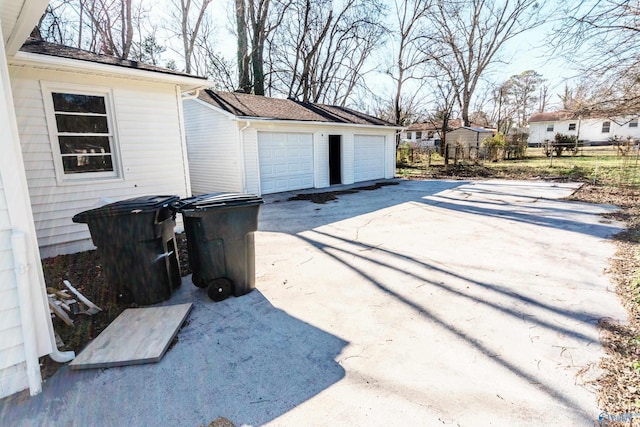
[{"x": 424, "y": 303}]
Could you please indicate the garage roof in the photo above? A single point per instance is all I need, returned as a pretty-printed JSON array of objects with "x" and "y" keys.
[{"x": 262, "y": 107}]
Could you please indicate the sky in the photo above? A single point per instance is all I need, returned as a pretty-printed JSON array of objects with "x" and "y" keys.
[{"x": 528, "y": 51}]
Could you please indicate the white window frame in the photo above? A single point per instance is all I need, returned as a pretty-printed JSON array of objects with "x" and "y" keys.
[
  {"x": 633, "y": 123},
  {"x": 48, "y": 88},
  {"x": 550, "y": 127},
  {"x": 574, "y": 126},
  {"x": 608, "y": 127}
]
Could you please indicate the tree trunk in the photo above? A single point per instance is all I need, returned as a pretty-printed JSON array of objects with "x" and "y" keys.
[{"x": 244, "y": 81}]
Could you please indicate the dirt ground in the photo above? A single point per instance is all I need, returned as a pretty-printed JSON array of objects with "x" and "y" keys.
[{"x": 618, "y": 387}]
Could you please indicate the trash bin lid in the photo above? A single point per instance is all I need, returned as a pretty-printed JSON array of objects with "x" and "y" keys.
[
  {"x": 216, "y": 200},
  {"x": 136, "y": 205}
]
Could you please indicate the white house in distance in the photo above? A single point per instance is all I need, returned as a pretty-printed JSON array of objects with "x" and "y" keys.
[
  {"x": 592, "y": 130},
  {"x": 75, "y": 129},
  {"x": 255, "y": 144}
]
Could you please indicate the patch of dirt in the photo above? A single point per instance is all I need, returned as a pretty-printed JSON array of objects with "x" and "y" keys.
[
  {"x": 84, "y": 271},
  {"x": 327, "y": 196}
]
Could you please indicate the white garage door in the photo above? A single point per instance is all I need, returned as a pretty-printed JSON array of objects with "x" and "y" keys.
[
  {"x": 286, "y": 161},
  {"x": 368, "y": 157}
]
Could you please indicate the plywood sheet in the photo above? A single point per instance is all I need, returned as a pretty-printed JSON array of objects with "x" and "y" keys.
[{"x": 138, "y": 335}]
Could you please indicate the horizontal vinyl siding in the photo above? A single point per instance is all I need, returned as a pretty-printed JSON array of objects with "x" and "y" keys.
[
  {"x": 213, "y": 148},
  {"x": 147, "y": 129},
  {"x": 13, "y": 376}
]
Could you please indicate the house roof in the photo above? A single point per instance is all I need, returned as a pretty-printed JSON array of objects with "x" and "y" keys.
[
  {"x": 473, "y": 129},
  {"x": 41, "y": 47},
  {"x": 552, "y": 116},
  {"x": 262, "y": 107},
  {"x": 437, "y": 125}
]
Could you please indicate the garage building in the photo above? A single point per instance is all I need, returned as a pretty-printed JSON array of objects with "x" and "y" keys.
[{"x": 260, "y": 145}]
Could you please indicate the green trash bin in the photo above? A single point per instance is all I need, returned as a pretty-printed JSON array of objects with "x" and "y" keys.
[
  {"x": 136, "y": 244},
  {"x": 220, "y": 241}
]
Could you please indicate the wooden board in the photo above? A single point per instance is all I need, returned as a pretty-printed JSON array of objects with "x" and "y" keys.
[{"x": 138, "y": 335}]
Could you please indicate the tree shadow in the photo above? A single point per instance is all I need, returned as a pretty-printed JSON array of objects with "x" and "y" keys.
[{"x": 360, "y": 251}]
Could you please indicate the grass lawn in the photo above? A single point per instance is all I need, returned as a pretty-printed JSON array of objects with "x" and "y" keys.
[{"x": 596, "y": 165}]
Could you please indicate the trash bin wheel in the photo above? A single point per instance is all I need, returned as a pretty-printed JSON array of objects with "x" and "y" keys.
[
  {"x": 198, "y": 281},
  {"x": 219, "y": 289}
]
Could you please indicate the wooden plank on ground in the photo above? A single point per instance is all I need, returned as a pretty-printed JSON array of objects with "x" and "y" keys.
[{"x": 138, "y": 335}]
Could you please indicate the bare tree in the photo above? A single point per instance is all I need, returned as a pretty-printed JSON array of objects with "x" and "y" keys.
[
  {"x": 602, "y": 38},
  {"x": 319, "y": 53},
  {"x": 190, "y": 17},
  {"x": 54, "y": 25},
  {"x": 256, "y": 20},
  {"x": 468, "y": 36},
  {"x": 410, "y": 59},
  {"x": 243, "y": 59},
  {"x": 102, "y": 26}
]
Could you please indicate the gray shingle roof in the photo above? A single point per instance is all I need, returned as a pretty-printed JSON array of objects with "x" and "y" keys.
[
  {"x": 41, "y": 47},
  {"x": 252, "y": 106},
  {"x": 552, "y": 116}
]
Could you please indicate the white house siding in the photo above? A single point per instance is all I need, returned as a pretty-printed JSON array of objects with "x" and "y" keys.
[
  {"x": 148, "y": 136},
  {"x": 224, "y": 153},
  {"x": 588, "y": 130},
  {"x": 214, "y": 157},
  {"x": 13, "y": 376},
  {"x": 347, "y": 158},
  {"x": 321, "y": 159}
]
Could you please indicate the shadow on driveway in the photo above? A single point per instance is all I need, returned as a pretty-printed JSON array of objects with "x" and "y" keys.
[{"x": 242, "y": 359}]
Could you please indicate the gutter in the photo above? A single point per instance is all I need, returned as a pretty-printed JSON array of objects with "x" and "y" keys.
[
  {"x": 315, "y": 123},
  {"x": 26, "y": 303}
]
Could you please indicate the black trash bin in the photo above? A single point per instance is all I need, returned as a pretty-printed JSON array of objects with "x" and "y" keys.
[
  {"x": 137, "y": 248},
  {"x": 220, "y": 241}
]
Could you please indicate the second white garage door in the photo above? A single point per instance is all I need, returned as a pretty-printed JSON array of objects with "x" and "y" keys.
[
  {"x": 368, "y": 157},
  {"x": 286, "y": 161}
]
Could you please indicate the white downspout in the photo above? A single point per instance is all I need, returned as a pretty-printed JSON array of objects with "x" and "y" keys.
[{"x": 19, "y": 245}]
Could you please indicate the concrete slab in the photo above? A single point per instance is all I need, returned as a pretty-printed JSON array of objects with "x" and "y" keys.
[{"x": 425, "y": 303}]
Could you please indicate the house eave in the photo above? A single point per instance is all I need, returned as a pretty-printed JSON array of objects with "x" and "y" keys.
[
  {"x": 54, "y": 63},
  {"x": 312, "y": 123}
]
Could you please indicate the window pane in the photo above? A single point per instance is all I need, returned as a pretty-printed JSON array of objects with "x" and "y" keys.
[
  {"x": 84, "y": 144},
  {"x": 78, "y": 164},
  {"x": 81, "y": 124},
  {"x": 78, "y": 103}
]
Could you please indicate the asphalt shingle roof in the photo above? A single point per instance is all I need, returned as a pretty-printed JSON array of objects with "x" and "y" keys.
[
  {"x": 41, "y": 47},
  {"x": 252, "y": 106},
  {"x": 552, "y": 116}
]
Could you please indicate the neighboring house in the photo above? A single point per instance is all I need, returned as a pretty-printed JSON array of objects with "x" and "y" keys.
[
  {"x": 466, "y": 142},
  {"x": 75, "y": 128},
  {"x": 591, "y": 130},
  {"x": 260, "y": 145},
  {"x": 427, "y": 134}
]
